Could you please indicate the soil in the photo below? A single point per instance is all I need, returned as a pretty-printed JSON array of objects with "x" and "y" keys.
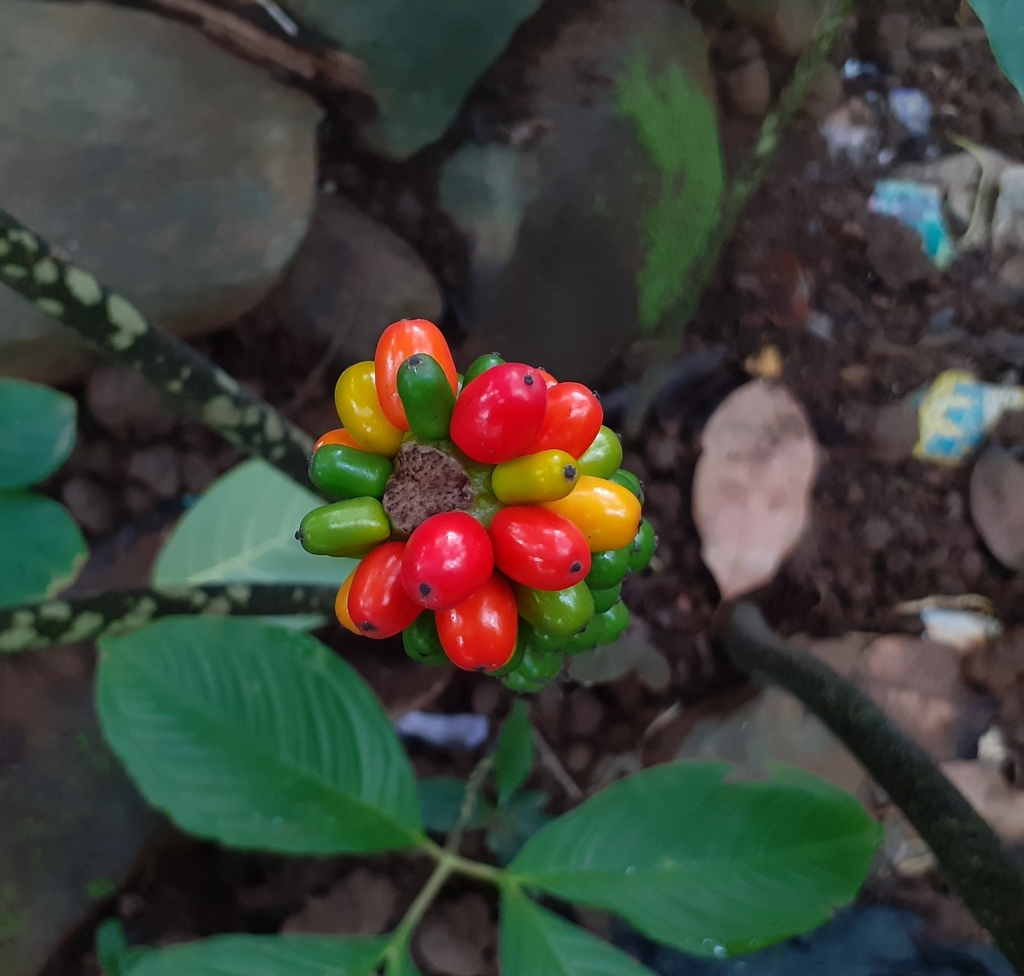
[{"x": 885, "y": 528}]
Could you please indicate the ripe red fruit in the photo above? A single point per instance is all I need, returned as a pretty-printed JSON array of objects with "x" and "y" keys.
[
  {"x": 377, "y": 601},
  {"x": 480, "y": 633},
  {"x": 538, "y": 548},
  {"x": 447, "y": 559},
  {"x": 571, "y": 421},
  {"x": 499, "y": 413}
]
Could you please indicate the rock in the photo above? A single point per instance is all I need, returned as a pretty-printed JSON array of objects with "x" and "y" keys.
[
  {"x": 351, "y": 278},
  {"x": 71, "y": 824},
  {"x": 361, "y": 904},
  {"x": 1008, "y": 220},
  {"x": 90, "y": 505},
  {"x": 572, "y": 235},
  {"x": 458, "y": 938},
  {"x": 956, "y": 175},
  {"x": 749, "y": 88},
  {"x": 422, "y": 58},
  {"x": 917, "y": 684},
  {"x": 585, "y": 714},
  {"x": 999, "y": 804},
  {"x": 158, "y": 468},
  {"x": 126, "y": 403},
  {"x": 774, "y": 727},
  {"x": 997, "y": 505},
  {"x": 894, "y": 41},
  {"x": 180, "y": 175}
]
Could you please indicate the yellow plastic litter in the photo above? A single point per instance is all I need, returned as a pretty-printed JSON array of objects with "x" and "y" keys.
[
  {"x": 767, "y": 364},
  {"x": 956, "y": 414}
]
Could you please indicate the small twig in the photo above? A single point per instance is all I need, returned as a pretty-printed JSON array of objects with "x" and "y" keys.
[
  {"x": 741, "y": 188},
  {"x": 968, "y": 851},
  {"x": 474, "y": 784},
  {"x": 189, "y": 381},
  {"x": 555, "y": 767},
  {"x": 342, "y": 71},
  {"x": 37, "y": 625}
]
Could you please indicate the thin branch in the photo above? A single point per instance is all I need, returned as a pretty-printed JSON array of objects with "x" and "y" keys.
[
  {"x": 550, "y": 759},
  {"x": 37, "y": 625},
  {"x": 340, "y": 70},
  {"x": 971, "y": 855},
  {"x": 189, "y": 381},
  {"x": 742, "y": 187},
  {"x": 470, "y": 798}
]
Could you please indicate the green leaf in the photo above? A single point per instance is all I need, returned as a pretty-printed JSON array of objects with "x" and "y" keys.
[
  {"x": 1004, "y": 23},
  {"x": 256, "y": 736},
  {"x": 441, "y": 803},
  {"x": 513, "y": 758},
  {"x": 677, "y": 126},
  {"x": 402, "y": 965},
  {"x": 515, "y": 822},
  {"x": 535, "y": 941},
  {"x": 38, "y": 428},
  {"x": 422, "y": 58},
  {"x": 115, "y": 956},
  {"x": 266, "y": 955},
  {"x": 243, "y": 530},
  {"x": 41, "y": 548},
  {"x": 708, "y": 866}
]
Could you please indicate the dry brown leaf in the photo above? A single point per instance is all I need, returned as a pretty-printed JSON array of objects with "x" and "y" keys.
[
  {"x": 998, "y": 803},
  {"x": 997, "y": 505},
  {"x": 752, "y": 487}
]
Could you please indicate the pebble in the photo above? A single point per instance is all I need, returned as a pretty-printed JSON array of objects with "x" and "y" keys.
[
  {"x": 578, "y": 757},
  {"x": 458, "y": 938},
  {"x": 126, "y": 403},
  {"x": 749, "y": 88},
  {"x": 877, "y": 533},
  {"x": 157, "y": 468},
  {"x": 90, "y": 505},
  {"x": 361, "y": 904},
  {"x": 198, "y": 472},
  {"x": 584, "y": 715}
]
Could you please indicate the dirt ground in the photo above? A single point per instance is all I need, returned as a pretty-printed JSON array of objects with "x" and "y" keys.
[{"x": 885, "y": 528}]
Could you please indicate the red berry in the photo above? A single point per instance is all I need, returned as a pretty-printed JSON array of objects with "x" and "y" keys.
[
  {"x": 447, "y": 559},
  {"x": 377, "y": 601},
  {"x": 499, "y": 413},
  {"x": 538, "y": 548},
  {"x": 571, "y": 421},
  {"x": 480, "y": 633}
]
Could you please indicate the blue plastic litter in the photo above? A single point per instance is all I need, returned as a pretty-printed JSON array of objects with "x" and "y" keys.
[
  {"x": 919, "y": 207},
  {"x": 912, "y": 108}
]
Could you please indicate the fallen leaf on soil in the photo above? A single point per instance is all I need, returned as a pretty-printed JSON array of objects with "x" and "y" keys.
[
  {"x": 361, "y": 904},
  {"x": 997, "y": 505},
  {"x": 998, "y": 803},
  {"x": 631, "y": 652},
  {"x": 458, "y": 937},
  {"x": 752, "y": 487}
]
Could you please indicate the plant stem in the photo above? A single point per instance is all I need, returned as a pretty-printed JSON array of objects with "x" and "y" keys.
[
  {"x": 469, "y": 800},
  {"x": 978, "y": 865},
  {"x": 448, "y": 862},
  {"x": 37, "y": 625},
  {"x": 742, "y": 187},
  {"x": 189, "y": 381}
]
